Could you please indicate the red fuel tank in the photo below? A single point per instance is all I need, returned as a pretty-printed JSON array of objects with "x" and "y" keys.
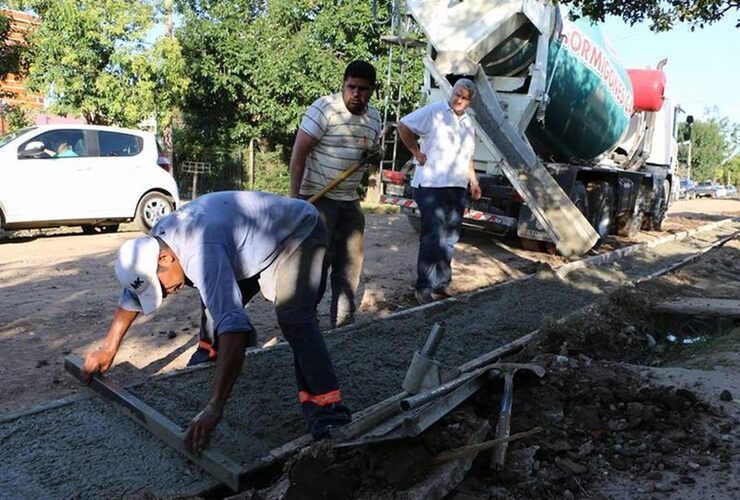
[{"x": 648, "y": 86}]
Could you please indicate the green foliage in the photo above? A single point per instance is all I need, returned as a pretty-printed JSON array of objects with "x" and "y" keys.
[
  {"x": 10, "y": 54},
  {"x": 253, "y": 76},
  {"x": 91, "y": 58},
  {"x": 662, "y": 15},
  {"x": 256, "y": 66},
  {"x": 730, "y": 171},
  {"x": 16, "y": 117},
  {"x": 713, "y": 141},
  {"x": 271, "y": 172},
  {"x": 707, "y": 149}
]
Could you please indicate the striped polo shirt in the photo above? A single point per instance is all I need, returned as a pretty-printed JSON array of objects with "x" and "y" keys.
[{"x": 342, "y": 139}]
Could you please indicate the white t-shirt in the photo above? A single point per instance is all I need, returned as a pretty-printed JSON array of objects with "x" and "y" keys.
[{"x": 447, "y": 140}]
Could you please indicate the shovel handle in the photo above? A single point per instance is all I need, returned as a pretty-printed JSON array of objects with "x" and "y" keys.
[{"x": 342, "y": 177}]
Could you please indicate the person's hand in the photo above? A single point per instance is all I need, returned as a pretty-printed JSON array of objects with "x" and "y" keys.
[
  {"x": 199, "y": 430},
  {"x": 475, "y": 191},
  {"x": 420, "y": 158},
  {"x": 96, "y": 362}
]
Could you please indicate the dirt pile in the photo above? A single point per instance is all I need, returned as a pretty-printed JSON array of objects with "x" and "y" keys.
[{"x": 610, "y": 428}]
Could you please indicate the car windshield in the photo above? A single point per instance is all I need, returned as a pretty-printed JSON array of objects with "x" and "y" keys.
[{"x": 4, "y": 139}]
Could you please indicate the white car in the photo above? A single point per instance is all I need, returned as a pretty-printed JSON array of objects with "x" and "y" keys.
[{"x": 83, "y": 175}]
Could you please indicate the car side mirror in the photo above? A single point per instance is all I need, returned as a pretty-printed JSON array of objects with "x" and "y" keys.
[{"x": 32, "y": 149}]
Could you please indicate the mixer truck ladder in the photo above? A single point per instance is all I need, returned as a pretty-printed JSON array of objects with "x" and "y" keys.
[{"x": 399, "y": 40}]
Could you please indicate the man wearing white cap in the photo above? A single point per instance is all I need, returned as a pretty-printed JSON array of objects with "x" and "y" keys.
[{"x": 230, "y": 245}]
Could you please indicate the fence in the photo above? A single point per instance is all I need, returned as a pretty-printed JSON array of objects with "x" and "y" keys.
[{"x": 217, "y": 171}]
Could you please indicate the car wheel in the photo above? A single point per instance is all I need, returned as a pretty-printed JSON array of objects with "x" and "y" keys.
[
  {"x": 152, "y": 207},
  {"x": 90, "y": 229}
]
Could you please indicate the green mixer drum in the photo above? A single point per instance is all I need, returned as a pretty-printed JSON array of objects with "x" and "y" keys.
[{"x": 590, "y": 97}]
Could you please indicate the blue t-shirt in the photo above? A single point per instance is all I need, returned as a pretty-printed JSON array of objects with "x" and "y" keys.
[{"x": 224, "y": 237}]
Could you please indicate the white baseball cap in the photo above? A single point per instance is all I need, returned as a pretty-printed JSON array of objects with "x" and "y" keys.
[{"x": 136, "y": 268}]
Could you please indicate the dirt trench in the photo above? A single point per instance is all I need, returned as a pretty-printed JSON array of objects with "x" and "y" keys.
[{"x": 624, "y": 410}]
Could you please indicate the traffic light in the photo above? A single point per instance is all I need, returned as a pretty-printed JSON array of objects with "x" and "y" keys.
[{"x": 687, "y": 133}]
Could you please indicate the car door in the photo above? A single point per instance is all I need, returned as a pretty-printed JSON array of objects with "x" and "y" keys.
[
  {"x": 81, "y": 184},
  {"x": 121, "y": 161},
  {"x": 46, "y": 186}
]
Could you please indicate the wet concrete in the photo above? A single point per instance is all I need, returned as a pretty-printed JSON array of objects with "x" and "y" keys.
[{"x": 85, "y": 449}]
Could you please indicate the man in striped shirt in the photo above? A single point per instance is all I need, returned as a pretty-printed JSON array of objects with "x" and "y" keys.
[{"x": 337, "y": 131}]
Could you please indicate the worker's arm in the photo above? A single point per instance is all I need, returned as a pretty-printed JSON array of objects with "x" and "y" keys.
[
  {"x": 475, "y": 191},
  {"x": 409, "y": 140},
  {"x": 100, "y": 361},
  {"x": 303, "y": 145},
  {"x": 229, "y": 363}
]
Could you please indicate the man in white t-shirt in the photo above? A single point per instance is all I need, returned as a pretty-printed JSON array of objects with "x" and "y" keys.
[
  {"x": 444, "y": 169},
  {"x": 336, "y": 132}
]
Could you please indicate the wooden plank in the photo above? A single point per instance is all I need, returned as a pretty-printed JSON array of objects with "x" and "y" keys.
[
  {"x": 218, "y": 465},
  {"x": 693, "y": 306}
]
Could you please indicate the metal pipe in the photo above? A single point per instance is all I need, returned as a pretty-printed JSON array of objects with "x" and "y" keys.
[
  {"x": 435, "y": 336},
  {"x": 420, "y": 399}
]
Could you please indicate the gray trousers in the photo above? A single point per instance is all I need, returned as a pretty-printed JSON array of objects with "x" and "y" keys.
[{"x": 345, "y": 224}]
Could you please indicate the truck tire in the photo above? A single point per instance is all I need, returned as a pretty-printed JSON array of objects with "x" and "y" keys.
[
  {"x": 602, "y": 210},
  {"x": 654, "y": 221},
  {"x": 629, "y": 225},
  {"x": 414, "y": 222},
  {"x": 579, "y": 197}
]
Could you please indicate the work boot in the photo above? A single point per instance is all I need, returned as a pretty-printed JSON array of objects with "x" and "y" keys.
[
  {"x": 441, "y": 293},
  {"x": 322, "y": 420},
  {"x": 424, "y": 296}
]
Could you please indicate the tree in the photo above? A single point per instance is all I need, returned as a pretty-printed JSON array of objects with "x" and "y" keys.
[
  {"x": 662, "y": 14},
  {"x": 255, "y": 66},
  {"x": 11, "y": 54},
  {"x": 731, "y": 170},
  {"x": 711, "y": 145},
  {"x": 91, "y": 58}
]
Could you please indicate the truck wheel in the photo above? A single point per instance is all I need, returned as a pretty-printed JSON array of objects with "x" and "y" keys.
[
  {"x": 413, "y": 217},
  {"x": 602, "y": 203},
  {"x": 579, "y": 197},
  {"x": 654, "y": 221},
  {"x": 414, "y": 222},
  {"x": 629, "y": 225}
]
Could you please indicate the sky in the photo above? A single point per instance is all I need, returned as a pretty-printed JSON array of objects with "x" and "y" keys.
[{"x": 703, "y": 67}]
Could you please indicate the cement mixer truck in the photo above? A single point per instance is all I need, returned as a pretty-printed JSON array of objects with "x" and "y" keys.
[{"x": 571, "y": 146}]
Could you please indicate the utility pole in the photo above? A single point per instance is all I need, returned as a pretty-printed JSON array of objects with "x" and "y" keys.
[
  {"x": 168, "y": 134},
  {"x": 688, "y": 161},
  {"x": 689, "y": 122}
]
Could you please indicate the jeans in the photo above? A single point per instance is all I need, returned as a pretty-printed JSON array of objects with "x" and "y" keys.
[
  {"x": 345, "y": 224},
  {"x": 299, "y": 278},
  {"x": 441, "y": 212}
]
